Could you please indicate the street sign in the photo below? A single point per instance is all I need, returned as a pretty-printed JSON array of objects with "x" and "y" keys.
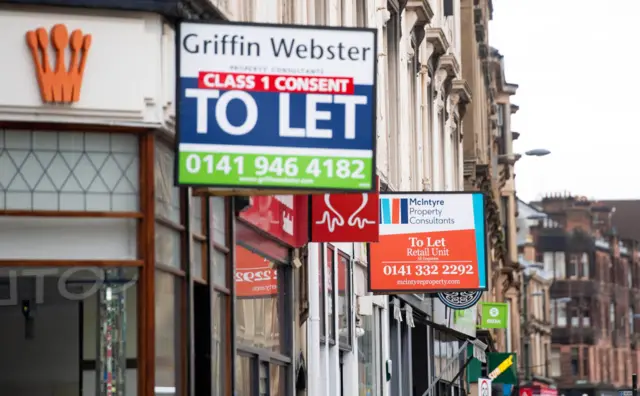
[{"x": 625, "y": 392}]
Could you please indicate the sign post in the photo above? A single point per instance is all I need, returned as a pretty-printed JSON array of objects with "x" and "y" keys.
[{"x": 275, "y": 107}]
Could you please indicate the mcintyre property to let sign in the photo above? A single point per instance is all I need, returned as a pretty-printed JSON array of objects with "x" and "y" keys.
[
  {"x": 429, "y": 243},
  {"x": 275, "y": 106}
]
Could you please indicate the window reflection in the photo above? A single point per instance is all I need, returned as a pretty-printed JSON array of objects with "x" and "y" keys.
[
  {"x": 278, "y": 380},
  {"x": 330, "y": 267},
  {"x": 344, "y": 313},
  {"x": 258, "y": 309},
  {"x": 243, "y": 376},
  {"x": 167, "y": 333},
  {"x": 217, "y": 347},
  {"x": 366, "y": 362}
]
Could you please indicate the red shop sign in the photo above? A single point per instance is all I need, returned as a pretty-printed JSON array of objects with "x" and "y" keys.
[
  {"x": 345, "y": 217},
  {"x": 255, "y": 277},
  {"x": 285, "y": 217}
]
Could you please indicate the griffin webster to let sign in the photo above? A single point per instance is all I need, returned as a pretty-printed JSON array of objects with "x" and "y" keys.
[{"x": 276, "y": 106}]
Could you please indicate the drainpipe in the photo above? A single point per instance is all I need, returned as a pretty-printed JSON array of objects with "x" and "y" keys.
[{"x": 313, "y": 327}]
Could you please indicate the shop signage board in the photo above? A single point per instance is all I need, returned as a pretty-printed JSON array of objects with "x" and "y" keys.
[
  {"x": 430, "y": 243},
  {"x": 254, "y": 277},
  {"x": 284, "y": 217},
  {"x": 276, "y": 107},
  {"x": 494, "y": 315},
  {"x": 345, "y": 217},
  {"x": 502, "y": 367},
  {"x": 484, "y": 387}
]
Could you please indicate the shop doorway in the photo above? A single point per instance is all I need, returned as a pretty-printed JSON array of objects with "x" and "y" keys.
[
  {"x": 63, "y": 331},
  {"x": 202, "y": 339},
  {"x": 420, "y": 358}
]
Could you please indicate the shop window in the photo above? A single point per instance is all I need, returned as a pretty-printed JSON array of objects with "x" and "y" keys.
[
  {"x": 370, "y": 354},
  {"x": 169, "y": 226},
  {"x": 219, "y": 275},
  {"x": 168, "y": 333},
  {"x": 259, "y": 309},
  {"x": 198, "y": 226},
  {"x": 264, "y": 320},
  {"x": 68, "y": 171},
  {"x": 345, "y": 312},
  {"x": 330, "y": 306}
]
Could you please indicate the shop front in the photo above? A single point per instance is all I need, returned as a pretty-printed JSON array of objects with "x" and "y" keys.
[
  {"x": 93, "y": 290},
  {"x": 265, "y": 314}
]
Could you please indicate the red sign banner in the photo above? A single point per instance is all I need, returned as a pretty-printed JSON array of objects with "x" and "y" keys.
[
  {"x": 345, "y": 217},
  {"x": 255, "y": 277},
  {"x": 285, "y": 217}
]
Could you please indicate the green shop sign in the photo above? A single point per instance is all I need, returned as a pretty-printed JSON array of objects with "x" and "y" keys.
[
  {"x": 503, "y": 368},
  {"x": 494, "y": 315}
]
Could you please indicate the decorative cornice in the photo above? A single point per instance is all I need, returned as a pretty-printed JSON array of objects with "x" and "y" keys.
[
  {"x": 436, "y": 37},
  {"x": 450, "y": 63},
  {"x": 422, "y": 10}
]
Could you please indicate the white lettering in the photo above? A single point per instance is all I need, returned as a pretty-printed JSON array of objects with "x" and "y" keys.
[
  {"x": 350, "y": 103},
  {"x": 202, "y": 100},
  {"x": 285, "y": 118},
  {"x": 314, "y": 115},
  {"x": 252, "y": 113},
  {"x": 202, "y": 110}
]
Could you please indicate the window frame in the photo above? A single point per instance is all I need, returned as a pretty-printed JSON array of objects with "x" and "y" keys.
[
  {"x": 348, "y": 294},
  {"x": 224, "y": 291},
  {"x": 329, "y": 297},
  {"x": 179, "y": 273}
]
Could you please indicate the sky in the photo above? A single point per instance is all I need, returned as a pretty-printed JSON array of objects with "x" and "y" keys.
[{"x": 577, "y": 64}]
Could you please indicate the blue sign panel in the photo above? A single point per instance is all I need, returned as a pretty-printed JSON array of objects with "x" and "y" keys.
[{"x": 276, "y": 106}]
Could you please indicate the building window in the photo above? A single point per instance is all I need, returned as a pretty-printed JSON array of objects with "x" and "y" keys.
[
  {"x": 361, "y": 14},
  {"x": 370, "y": 354},
  {"x": 585, "y": 265},
  {"x": 555, "y": 363},
  {"x": 560, "y": 313},
  {"x": 554, "y": 262},
  {"x": 585, "y": 361},
  {"x": 170, "y": 282},
  {"x": 345, "y": 313},
  {"x": 329, "y": 271},
  {"x": 219, "y": 276},
  {"x": 575, "y": 362},
  {"x": 168, "y": 333},
  {"x": 502, "y": 128},
  {"x": 264, "y": 320},
  {"x": 391, "y": 32},
  {"x": 612, "y": 317},
  {"x": 69, "y": 171}
]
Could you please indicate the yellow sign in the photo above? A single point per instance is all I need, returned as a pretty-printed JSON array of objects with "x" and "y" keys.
[{"x": 502, "y": 367}]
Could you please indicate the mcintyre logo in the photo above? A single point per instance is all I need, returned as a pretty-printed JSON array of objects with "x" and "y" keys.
[
  {"x": 394, "y": 211},
  {"x": 58, "y": 82}
]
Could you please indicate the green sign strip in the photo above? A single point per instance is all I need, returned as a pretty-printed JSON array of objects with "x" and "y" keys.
[
  {"x": 275, "y": 170},
  {"x": 494, "y": 315}
]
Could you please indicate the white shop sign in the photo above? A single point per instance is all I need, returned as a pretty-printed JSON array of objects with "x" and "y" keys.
[{"x": 107, "y": 68}]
